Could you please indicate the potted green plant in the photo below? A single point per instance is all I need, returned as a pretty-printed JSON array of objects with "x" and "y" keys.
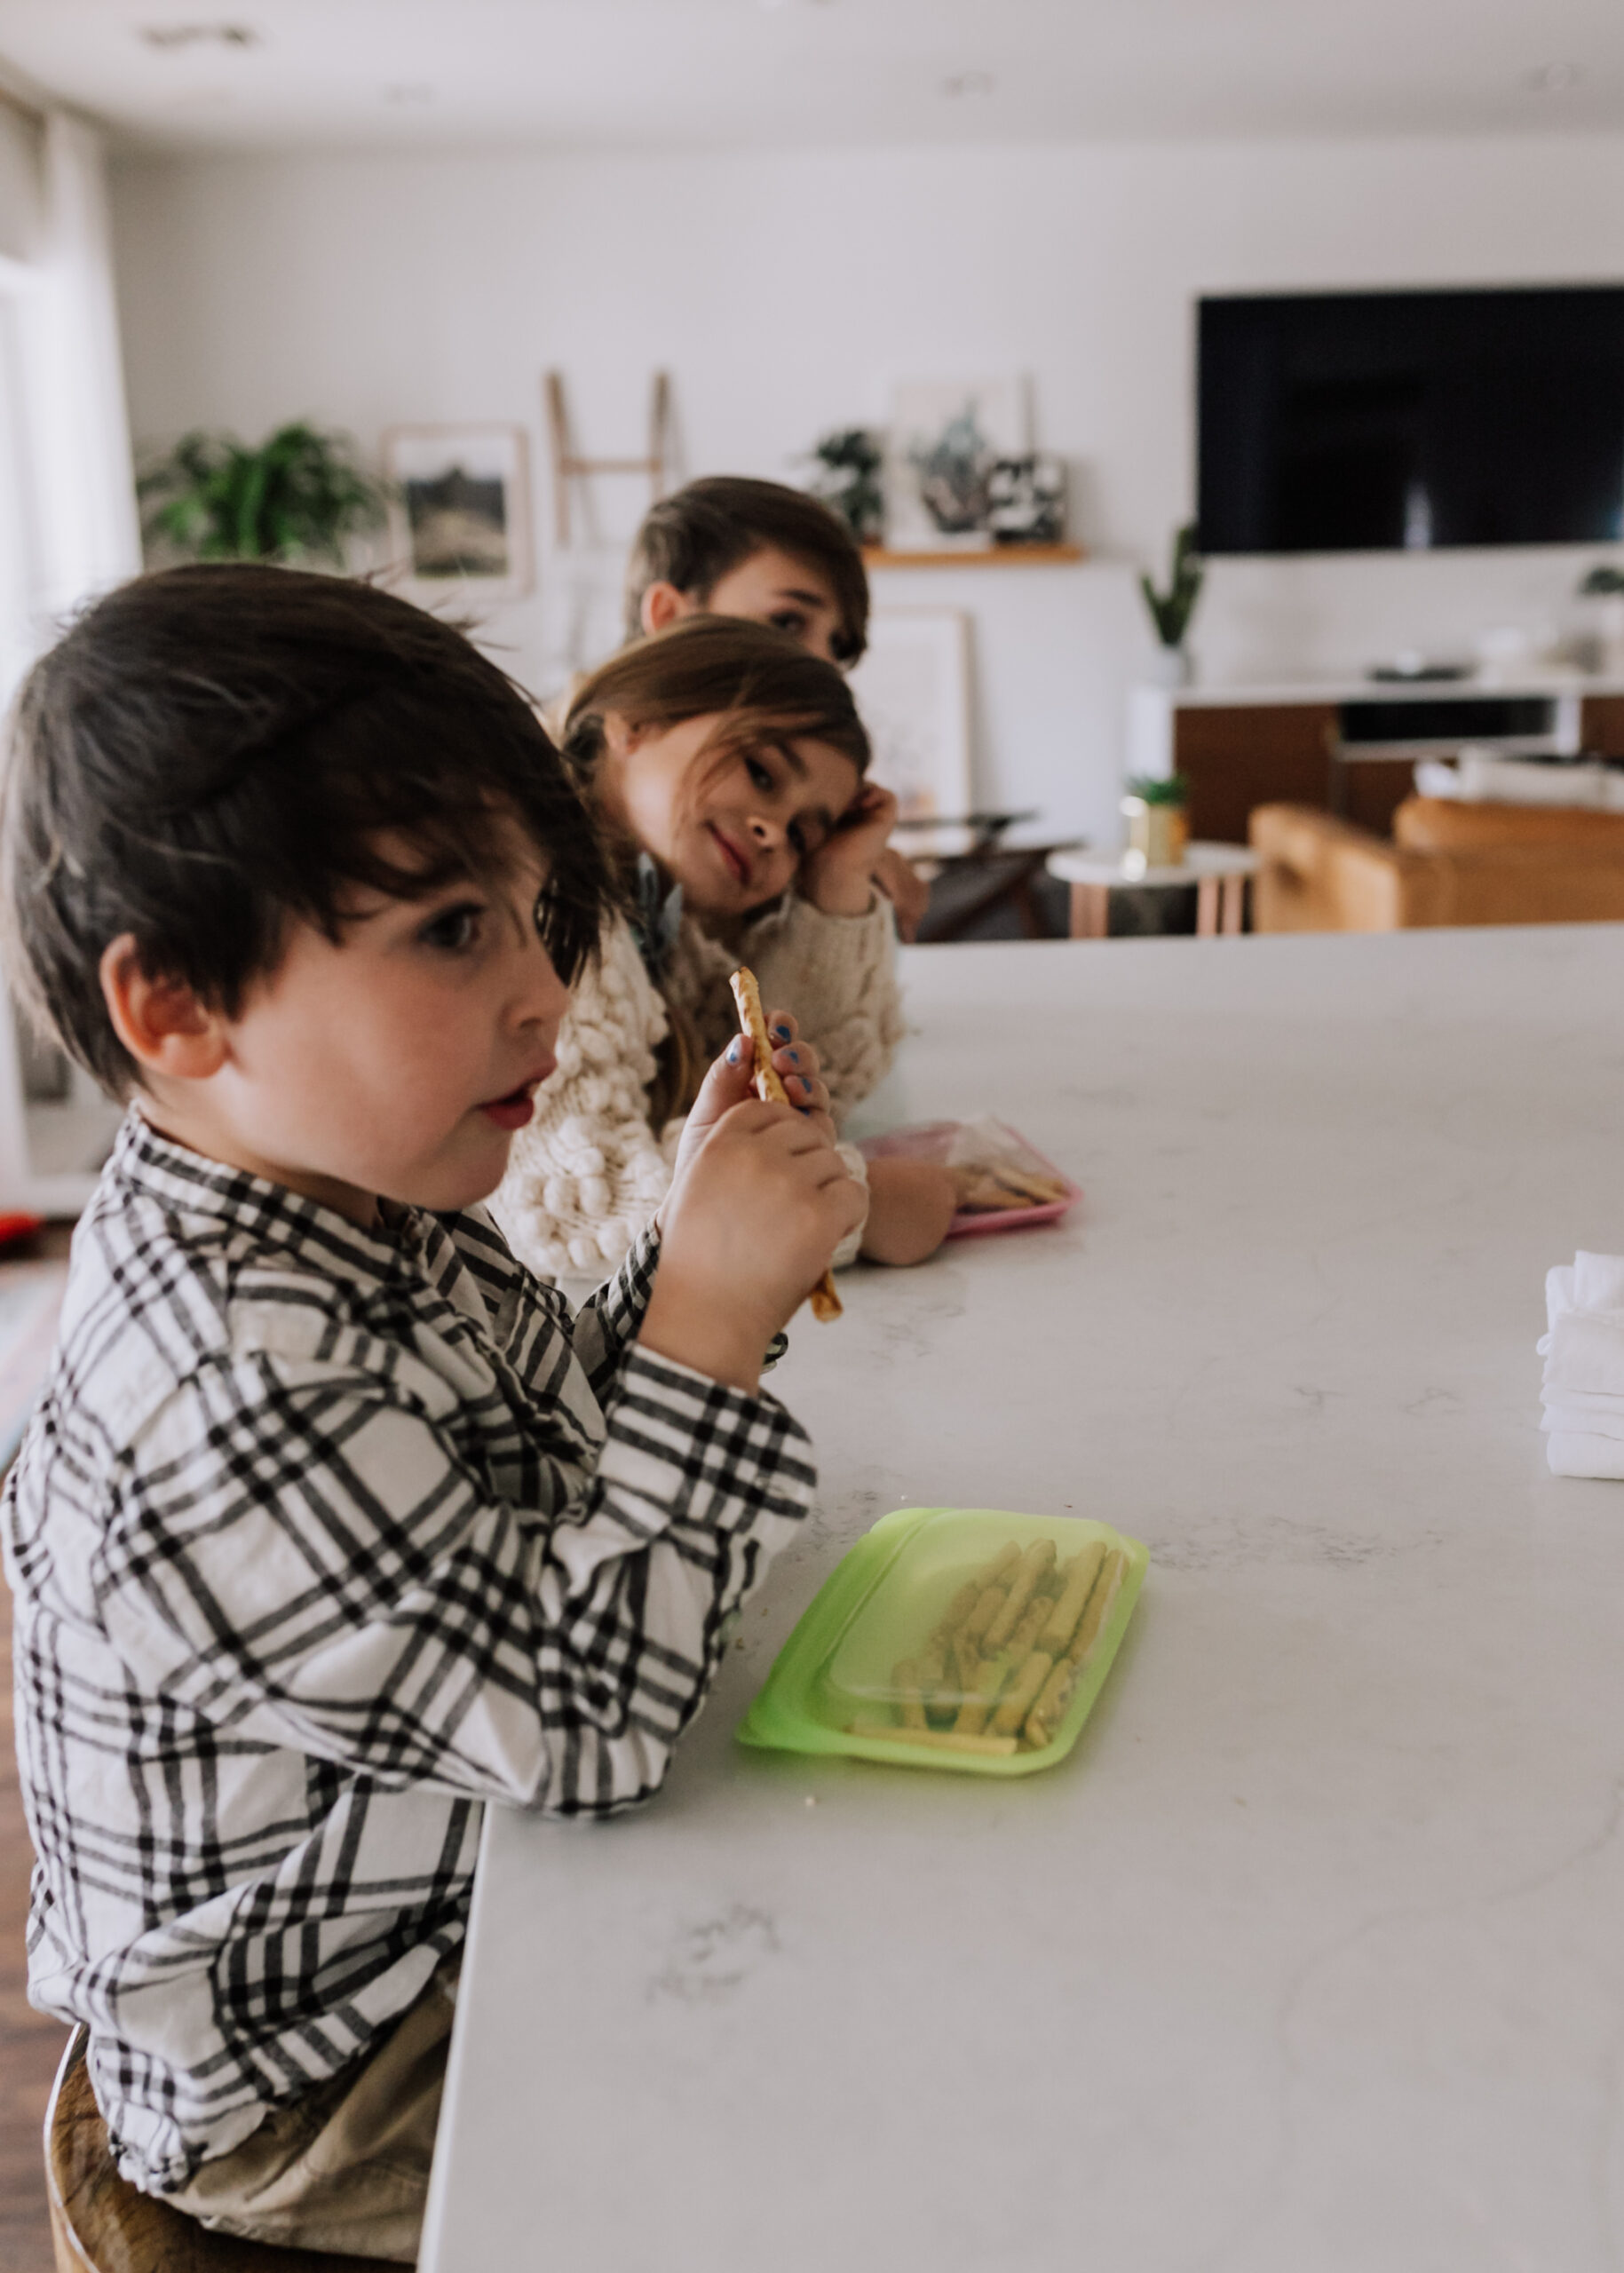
[
  {"x": 847, "y": 478},
  {"x": 295, "y": 498},
  {"x": 1603, "y": 635},
  {"x": 1158, "y": 821},
  {"x": 1171, "y": 611}
]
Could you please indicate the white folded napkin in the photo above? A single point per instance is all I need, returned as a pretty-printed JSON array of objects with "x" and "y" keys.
[{"x": 1583, "y": 1349}]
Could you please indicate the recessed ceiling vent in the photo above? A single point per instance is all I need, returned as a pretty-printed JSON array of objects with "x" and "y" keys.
[{"x": 169, "y": 36}]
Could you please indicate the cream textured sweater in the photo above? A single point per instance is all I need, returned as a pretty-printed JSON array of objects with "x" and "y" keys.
[{"x": 590, "y": 1170}]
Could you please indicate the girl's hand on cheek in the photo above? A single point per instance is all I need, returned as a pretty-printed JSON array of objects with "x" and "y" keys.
[{"x": 838, "y": 879}]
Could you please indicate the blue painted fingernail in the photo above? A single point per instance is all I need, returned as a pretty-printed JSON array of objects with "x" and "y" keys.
[
  {"x": 794, "y": 1056},
  {"x": 781, "y": 1033},
  {"x": 735, "y": 1050}
]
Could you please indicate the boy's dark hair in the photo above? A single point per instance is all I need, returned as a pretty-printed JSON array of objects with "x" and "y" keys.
[
  {"x": 213, "y": 749},
  {"x": 699, "y": 534}
]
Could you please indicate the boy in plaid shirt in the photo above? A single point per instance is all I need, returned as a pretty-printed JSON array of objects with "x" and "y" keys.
[{"x": 333, "y": 1523}]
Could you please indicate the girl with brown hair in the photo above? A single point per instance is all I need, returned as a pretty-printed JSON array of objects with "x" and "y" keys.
[{"x": 726, "y": 766}]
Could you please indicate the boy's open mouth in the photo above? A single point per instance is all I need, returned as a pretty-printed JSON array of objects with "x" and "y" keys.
[{"x": 518, "y": 1107}]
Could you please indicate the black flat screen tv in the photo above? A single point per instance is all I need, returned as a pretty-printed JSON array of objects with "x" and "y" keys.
[{"x": 1362, "y": 422}]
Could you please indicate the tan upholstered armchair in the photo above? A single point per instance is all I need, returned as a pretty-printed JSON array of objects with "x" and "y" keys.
[{"x": 1447, "y": 862}]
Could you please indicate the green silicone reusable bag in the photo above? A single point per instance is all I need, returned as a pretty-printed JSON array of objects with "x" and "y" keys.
[{"x": 879, "y": 1603}]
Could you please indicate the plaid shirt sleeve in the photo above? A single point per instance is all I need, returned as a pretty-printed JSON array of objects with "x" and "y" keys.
[
  {"x": 607, "y": 1326},
  {"x": 309, "y": 1551}
]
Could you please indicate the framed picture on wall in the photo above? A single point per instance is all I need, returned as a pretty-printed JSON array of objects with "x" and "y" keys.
[
  {"x": 912, "y": 691},
  {"x": 460, "y": 515}
]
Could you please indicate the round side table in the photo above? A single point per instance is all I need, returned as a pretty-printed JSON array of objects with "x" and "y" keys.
[{"x": 1218, "y": 872}]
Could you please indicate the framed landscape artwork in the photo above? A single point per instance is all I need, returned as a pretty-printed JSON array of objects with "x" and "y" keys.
[
  {"x": 460, "y": 515},
  {"x": 912, "y": 691}
]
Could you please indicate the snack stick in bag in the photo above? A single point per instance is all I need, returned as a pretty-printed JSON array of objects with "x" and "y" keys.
[
  {"x": 1038, "y": 1559},
  {"x": 1051, "y": 1703},
  {"x": 825, "y": 1302},
  {"x": 1021, "y": 1699},
  {"x": 996, "y": 1573},
  {"x": 990, "y": 1678},
  {"x": 1025, "y": 1638},
  {"x": 981, "y": 1619},
  {"x": 1056, "y": 1694},
  {"x": 1100, "y": 1606},
  {"x": 906, "y": 1679},
  {"x": 1073, "y": 1595},
  {"x": 958, "y": 1609}
]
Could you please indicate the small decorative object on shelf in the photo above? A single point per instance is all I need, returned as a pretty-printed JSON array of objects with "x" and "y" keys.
[
  {"x": 295, "y": 498},
  {"x": 955, "y": 474},
  {"x": 1158, "y": 824},
  {"x": 1601, "y": 643},
  {"x": 947, "y": 437},
  {"x": 1026, "y": 500},
  {"x": 1171, "y": 611},
  {"x": 847, "y": 473}
]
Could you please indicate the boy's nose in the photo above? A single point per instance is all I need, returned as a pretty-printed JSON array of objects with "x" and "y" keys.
[
  {"x": 766, "y": 833},
  {"x": 545, "y": 996}
]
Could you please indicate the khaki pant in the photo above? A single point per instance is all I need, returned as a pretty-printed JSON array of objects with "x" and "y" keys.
[{"x": 346, "y": 2168}]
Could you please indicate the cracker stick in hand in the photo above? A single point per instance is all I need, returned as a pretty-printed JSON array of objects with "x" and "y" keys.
[{"x": 825, "y": 1302}]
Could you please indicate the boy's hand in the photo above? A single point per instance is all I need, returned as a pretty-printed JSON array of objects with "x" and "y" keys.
[
  {"x": 838, "y": 879},
  {"x": 728, "y": 1084},
  {"x": 762, "y": 1202}
]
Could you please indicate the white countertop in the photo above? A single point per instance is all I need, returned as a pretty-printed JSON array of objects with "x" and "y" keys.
[{"x": 1310, "y": 1959}]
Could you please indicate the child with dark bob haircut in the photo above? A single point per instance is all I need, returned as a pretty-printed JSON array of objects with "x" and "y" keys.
[{"x": 333, "y": 1524}]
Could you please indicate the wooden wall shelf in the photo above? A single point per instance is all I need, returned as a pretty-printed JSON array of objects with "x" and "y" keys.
[{"x": 992, "y": 556}]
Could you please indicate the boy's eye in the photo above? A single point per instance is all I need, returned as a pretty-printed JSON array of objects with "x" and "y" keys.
[
  {"x": 789, "y": 619},
  {"x": 761, "y": 776},
  {"x": 453, "y": 928}
]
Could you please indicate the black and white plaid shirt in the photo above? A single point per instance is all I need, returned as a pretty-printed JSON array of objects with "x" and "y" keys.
[{"x": 320, "y": 1538}]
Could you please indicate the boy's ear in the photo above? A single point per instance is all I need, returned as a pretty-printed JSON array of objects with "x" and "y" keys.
[
  {"x": 620, "y": 735},
  {"x": 662, "y": 605},
  {"x": 160, "y": 1021}
]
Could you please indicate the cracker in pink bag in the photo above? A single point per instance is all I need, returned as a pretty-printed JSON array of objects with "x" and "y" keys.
[{"x": 1005, "y": 1182}]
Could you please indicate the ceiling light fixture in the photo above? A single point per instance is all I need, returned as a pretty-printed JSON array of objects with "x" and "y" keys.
[
  {"x": 968, "y": 83},
  {"x": 177, "y": 36},
  {"x": 1554, "y": 78}
]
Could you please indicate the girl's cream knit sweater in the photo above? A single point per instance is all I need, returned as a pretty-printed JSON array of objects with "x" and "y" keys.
[{"x": 590, "y": 1170}]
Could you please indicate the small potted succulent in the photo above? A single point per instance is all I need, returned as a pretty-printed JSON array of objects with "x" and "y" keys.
[
  {"x": 1171, "y": 611},
  {"x": 1158, "y": 820},
  {"x": 1604, "y": 641}
]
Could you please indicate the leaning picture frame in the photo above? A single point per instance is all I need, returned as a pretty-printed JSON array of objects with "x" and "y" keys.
[
  {"x": 459, "y": 511},
  {"x": 913, "y": 693}
]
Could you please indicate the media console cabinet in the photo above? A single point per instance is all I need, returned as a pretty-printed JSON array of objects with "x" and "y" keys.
[{"x": 1350, "y": 747}]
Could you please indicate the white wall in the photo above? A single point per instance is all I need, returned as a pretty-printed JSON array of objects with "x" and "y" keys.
[
  {"x": 785, "y": 292},
  {"x": 20, "y": 205}
]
